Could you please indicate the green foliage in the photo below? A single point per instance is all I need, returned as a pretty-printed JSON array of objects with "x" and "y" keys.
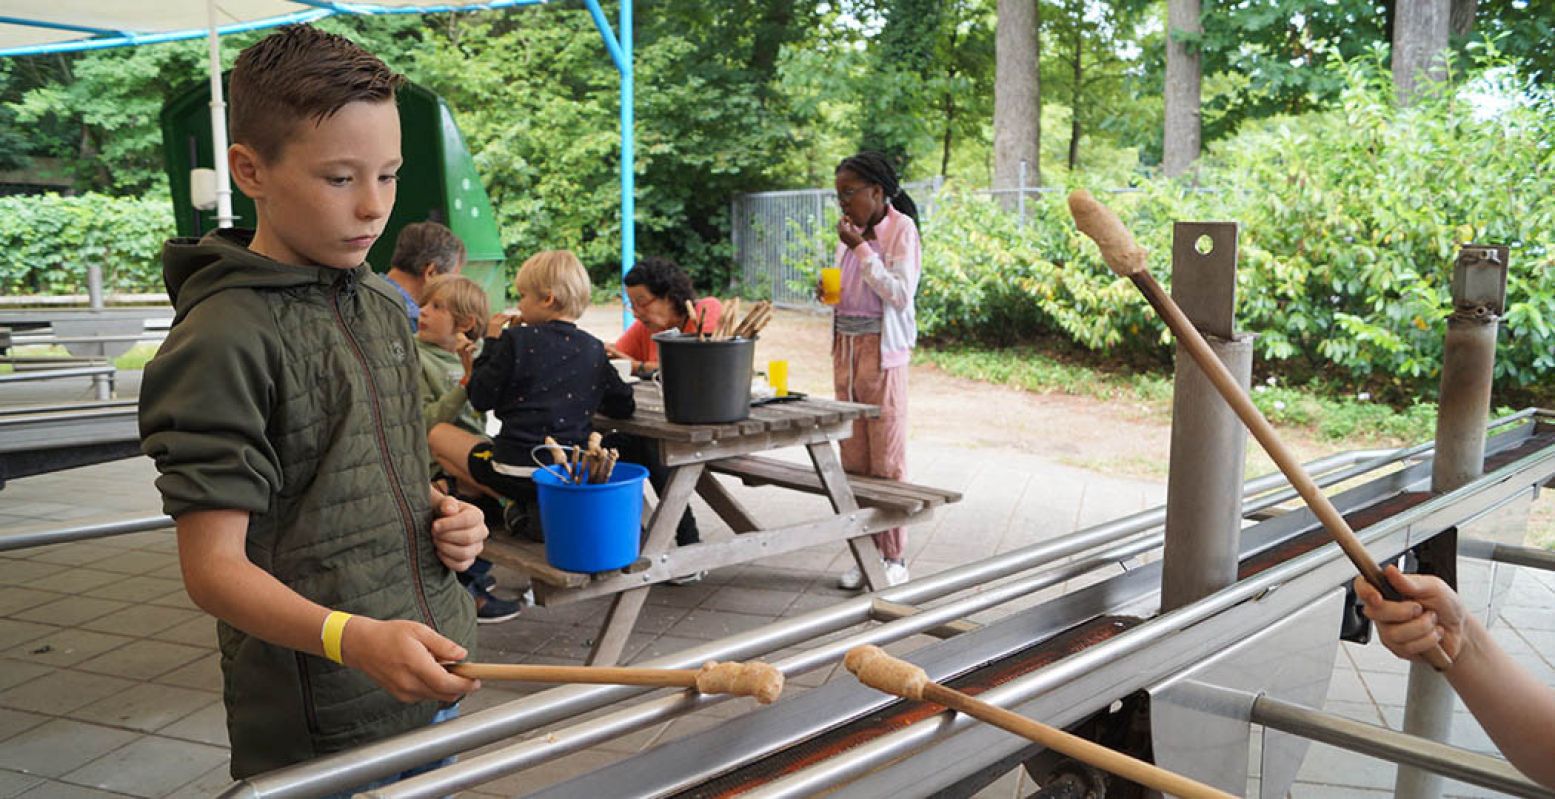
[
  {"x": 1350, "y": 221},
  {"x": 1312, "y": 407},
  {"x": 47, "y": 242}
]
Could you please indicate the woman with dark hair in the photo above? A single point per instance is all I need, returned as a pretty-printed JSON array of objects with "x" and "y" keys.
[
  {"x": 658, "y": 291},
  {"x": 874, "y": 329}
]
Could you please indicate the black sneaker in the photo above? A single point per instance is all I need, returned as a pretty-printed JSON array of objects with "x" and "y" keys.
[
  {"x": 519, "y": 519},
  {"x": 490, "y": 609}
]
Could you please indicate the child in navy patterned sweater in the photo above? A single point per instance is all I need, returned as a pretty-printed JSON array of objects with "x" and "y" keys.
[{"x": 543, "y": 376}]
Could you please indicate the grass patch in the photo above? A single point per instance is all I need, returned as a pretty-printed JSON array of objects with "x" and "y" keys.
[
  {"x": 1329, "y": 417},
  {"x": 136, "y": 358}
]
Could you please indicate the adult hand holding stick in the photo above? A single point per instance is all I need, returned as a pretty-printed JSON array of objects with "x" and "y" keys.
[
  {"x": 1128, "y": 259},
  {"x": 751, "y": 678},
  {"x": 880, "y": 671}
]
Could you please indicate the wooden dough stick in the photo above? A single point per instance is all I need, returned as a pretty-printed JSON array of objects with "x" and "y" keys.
[
  {"x": 701, "y": 321},
  {"x": 741, "y": 679},
  {"x": 558, "y": 455},
  {"x": 880, "y": 671},
  {"x": 1128, "y": 260},
  {"x": 752, "y": 678},
  {"x": 731, "y": 317},
  {"x": 577, "y": 464},
  {"x": 691, "y": 312},
  {"x": 595, "y": 439}
]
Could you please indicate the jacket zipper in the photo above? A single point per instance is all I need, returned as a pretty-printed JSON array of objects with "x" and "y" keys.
[
  {"x": 406, "y": 520},
  {"x": 310, "y": 714}
]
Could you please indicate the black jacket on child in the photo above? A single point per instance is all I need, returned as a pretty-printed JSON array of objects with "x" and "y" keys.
[{"x": 546, "y": 380}]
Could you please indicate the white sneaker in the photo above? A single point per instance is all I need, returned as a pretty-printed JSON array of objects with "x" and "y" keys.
[
  {"x": 896, "y": 573},
  {"x": 851, "y": 580}
]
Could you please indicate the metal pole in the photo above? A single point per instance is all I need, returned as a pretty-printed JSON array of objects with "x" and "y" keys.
[
  {"x": 628, "y": 158},
  {"x": 1367, "y": 739},
  {"x": 1209, "y": 442},
  {"x": 224, "y": 216},
  {"x": 102, "y": 385},
  {"x": 1468, "y": 364}
]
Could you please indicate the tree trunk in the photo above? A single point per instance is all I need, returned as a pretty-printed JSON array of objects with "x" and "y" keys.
[
  {"x": 950, "y": 105},
  {"x": 1180, "y": 147},
  {"x": 1419, "y": 45},
  {"x": 1463, "y": 17},
  {"x": 1017, "y": 123},
  {"x": 1074, "y": 95}
]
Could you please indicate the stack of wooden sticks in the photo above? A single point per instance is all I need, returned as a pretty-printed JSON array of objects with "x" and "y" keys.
[
  {"x": 593, "y": 465},
  {"x": 758, "y": 317}
]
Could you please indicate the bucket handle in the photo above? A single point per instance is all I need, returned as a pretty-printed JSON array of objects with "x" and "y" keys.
[{"x": 557, "y": 470}]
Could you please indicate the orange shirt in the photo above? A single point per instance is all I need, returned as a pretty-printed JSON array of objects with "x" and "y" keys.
[{"x": 637, "y": 343}]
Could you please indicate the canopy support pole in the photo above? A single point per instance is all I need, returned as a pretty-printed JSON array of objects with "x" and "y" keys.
[
  {"x": 621, "y": 53},
  {"x": 224, "y": 216}
]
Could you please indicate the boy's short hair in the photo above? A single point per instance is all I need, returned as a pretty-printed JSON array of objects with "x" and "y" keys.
[
  {"x": 300, "y": 73},
  {"x": 560, "y": 274},
  {"x": 422, "y": 243},
  {"x": 463, "y": 298},
  {"x": 662, "y": 278}
]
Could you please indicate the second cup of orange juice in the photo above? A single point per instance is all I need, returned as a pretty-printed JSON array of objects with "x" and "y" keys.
[{"x": 831, "y": 285}]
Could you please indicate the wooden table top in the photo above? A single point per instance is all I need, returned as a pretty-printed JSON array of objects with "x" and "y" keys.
[{"x": 803, "y": 413}]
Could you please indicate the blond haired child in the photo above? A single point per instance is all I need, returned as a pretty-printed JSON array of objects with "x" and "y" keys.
[{"x": 542, "y": 376}]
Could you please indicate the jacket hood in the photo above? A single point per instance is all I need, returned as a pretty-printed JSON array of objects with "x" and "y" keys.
[{"x": 195, "y": 269}]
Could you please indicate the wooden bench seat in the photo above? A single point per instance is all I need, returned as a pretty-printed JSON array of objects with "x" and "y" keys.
[
  {"x": 871, "y": 492},
  {"x": 529, "y": 557}
]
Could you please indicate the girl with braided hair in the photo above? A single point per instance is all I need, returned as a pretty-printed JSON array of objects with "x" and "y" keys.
[{"x": 874, "y": 329}]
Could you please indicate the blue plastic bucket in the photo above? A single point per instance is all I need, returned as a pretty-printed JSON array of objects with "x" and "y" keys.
[{"x": 592, "y": 527}]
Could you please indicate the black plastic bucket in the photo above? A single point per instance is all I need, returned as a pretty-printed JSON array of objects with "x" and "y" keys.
[{"x": 705, "y": 382}]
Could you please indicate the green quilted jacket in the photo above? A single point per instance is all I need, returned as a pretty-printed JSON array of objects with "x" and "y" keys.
[{"x": 292, "y": 393}]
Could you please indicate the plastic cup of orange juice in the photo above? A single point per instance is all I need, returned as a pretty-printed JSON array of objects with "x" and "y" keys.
[{"x": 831, "y": 285}]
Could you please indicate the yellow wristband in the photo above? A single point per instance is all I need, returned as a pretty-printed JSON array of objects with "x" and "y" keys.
[{"x": 334, "y": 630}]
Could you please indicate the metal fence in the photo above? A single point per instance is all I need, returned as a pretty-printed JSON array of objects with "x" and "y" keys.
[{"x": 783, "y": 238}]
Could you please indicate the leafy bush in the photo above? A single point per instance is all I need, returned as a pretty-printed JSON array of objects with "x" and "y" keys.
[
  {"x": 46, "y": 242},
  {"x": 1349, "y": 219}
]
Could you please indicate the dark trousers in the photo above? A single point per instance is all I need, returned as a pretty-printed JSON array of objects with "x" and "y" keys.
[{"x": 645, "y": 451}]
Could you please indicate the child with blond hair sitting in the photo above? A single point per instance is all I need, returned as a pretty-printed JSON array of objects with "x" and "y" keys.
[{"x": 543, "y": 376}]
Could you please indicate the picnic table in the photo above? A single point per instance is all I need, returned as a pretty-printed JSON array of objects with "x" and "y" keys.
[{"x": 693, "y": 454}]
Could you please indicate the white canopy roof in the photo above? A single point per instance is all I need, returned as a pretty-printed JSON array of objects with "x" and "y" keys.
[{"x": 43, "y": 26}]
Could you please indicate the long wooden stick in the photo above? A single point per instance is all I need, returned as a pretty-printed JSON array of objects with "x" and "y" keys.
[
  {"x": 1127, "y": 259},
  {"x": 752, "y": 678},
  {"x": 880, "y": 671}
]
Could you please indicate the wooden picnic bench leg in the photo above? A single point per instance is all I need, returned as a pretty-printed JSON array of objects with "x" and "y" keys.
[
  {"x": 626, "y": 606},
  {"x": 829, "y": 467},
  {"x": 731, "y": 510}
]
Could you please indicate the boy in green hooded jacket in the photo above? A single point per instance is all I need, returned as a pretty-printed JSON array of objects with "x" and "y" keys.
[{"x": 283, "y": 416}]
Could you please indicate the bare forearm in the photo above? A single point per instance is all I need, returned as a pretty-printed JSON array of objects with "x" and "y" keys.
[
  {"x": 1516, "y": 710},
  {"x": 227, "y": 585}
]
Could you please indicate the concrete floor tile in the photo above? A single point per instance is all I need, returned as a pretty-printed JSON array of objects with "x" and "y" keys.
[
  {"x": 14, "y": 634},
  {"x": 13, "y": 783},
  {"x": 195, "y": 631},
  {"x": 14, "y": 599},
  {"x": 15, "y": 722},
  {"x": 209, "y": 784},
  {"x": 75, "y": 580},
  {"x": 151, "y": 767},
  {"x": 138, "y": 562},
  {"x": 60, "y": 746},
  {"x": 143, "y": 620},
  {"x": 142, "y": 659},
  {"x": 146, "y": 706},
  {"x": 208, "y": 725},
  {"x": 67, "y": 647},
  {"x": 72, "y": 611},
  {"x": 710, "y": 625},
  {"x": 16, "y": 672},
  {"x": 663, "y": 645},
  {"x": 756, "y": 601},
  {"x": 1328, "y": 766},
  {"x": 176, "y": 598},
  {"x": 81, "y": 553},
  {"x": 61, "y": 691},
  {"x": 136, "y": 589},
  {"x": 203, "y": 674},
  {"x": 1385, "y": 688},
  {"x": 51, "y": 789}
]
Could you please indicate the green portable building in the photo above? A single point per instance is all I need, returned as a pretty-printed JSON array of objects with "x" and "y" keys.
[{"x": 438, "y": 181}]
